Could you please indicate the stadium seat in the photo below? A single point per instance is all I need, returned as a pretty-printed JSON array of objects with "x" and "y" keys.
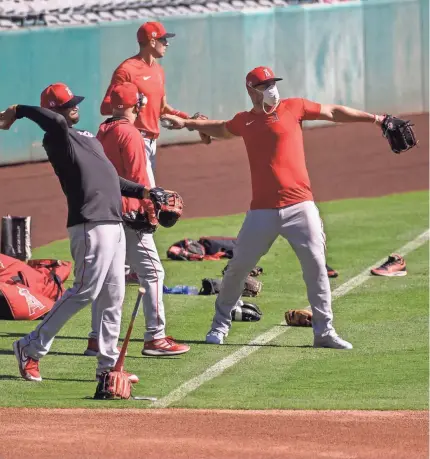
[{"x": 28, "y": 13}]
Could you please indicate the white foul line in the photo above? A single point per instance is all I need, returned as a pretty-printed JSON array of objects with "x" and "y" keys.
[{"x": 215, "y": 370}]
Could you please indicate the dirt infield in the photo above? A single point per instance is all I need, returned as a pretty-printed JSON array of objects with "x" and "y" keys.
[
  {"x": 344, "y": 161},
  {"x": 212, "y": 434}
]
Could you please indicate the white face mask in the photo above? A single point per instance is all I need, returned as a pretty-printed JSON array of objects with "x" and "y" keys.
[{"x": 270, "y": 97}]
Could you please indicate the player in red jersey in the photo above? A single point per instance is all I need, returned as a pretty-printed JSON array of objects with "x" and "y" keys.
[{"x": 282, "y": 202}]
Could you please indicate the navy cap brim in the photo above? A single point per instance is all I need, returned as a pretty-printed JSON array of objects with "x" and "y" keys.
[
  {"x": 168, "y": 35},
  {"x": 75, "y": 100},
  {"x": 268, "y": 80}
]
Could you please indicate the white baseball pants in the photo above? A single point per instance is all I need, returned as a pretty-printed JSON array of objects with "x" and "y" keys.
[
  {"x": 98, "y": 250},
  {"x": 151, "y": 150},
  {"x": 301, "y": 226},
  {"x": 143, "y": 258}
]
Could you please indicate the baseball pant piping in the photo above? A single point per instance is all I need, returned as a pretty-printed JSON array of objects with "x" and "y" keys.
[
  {"x": 143, "y": 258},
  {"x": 98, "y": 250}
]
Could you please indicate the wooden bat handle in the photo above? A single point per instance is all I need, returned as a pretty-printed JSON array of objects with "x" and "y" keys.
[{"x": 119, "y": 366}]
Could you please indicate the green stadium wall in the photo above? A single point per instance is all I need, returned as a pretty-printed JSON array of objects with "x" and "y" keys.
[{"x": 371, "y": 55}]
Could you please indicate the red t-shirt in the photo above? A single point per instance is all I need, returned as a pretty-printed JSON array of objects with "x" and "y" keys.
[
  {"x": 150, "y": 80},
  {"x": 274, "y": 144},
  {"x": 125, "y": 148}
]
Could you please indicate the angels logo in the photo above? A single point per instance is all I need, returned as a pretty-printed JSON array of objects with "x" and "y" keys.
[
  {"x": 154, "y": 34},
  {"x": 84, "y": 133},
  {"x": 33, "y": 303},
  {"x": 266, "y": 72},
  {"x": 68, "y": 91}
]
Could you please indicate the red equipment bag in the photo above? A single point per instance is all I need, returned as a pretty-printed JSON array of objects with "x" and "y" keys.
[{"x": 28, "y": 291}]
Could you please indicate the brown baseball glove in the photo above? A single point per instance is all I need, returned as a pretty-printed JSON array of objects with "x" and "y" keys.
[
  {"x": 206, "y": 139},
  {"x": 298, "y": 318},
  {"x": 252, "y": 287},
  {"x": 113, "y": 385}
]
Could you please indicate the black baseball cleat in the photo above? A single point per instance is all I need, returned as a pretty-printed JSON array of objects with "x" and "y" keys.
[{"x": 331, "y": 272}]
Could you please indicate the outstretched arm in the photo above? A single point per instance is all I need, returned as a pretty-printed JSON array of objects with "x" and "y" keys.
[
  {"x": 342, "y": 114},
  {"x": 213, "y": 128},
  {"x": 49, "y": 121}
]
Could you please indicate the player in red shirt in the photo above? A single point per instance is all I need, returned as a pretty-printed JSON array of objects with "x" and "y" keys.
[
  {"x": 125, "y": 148},
  {"x": 282, "y": 202},
  {"x": 147, "y": 74}
]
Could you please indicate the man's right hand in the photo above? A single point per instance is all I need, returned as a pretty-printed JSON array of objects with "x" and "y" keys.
[{"x": 7, "y": 118}]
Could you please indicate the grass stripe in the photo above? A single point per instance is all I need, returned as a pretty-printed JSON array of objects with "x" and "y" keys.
[{"x": 255, "y": 344}]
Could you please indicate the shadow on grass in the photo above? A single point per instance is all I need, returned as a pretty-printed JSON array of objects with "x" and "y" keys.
[
  {"x": 14, "y": 378},
  {"x": 246, "y": 344},
  {"x": 9, "y": 377},
  {"x": 71, "y": 380},
  {"x": 20, "y": 335}
]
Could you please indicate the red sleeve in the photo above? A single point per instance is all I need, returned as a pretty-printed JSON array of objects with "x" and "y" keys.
[
  {"x": 235, "y": 125},
  {"x": 120, "y": 76},
  {"x": 303, "y": 109},
  {"x": 133, "y": 156},
  {"x": 311, "y": 110}
]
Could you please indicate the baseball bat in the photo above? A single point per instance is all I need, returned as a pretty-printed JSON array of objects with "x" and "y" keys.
[{"x": 119, "y": 366}]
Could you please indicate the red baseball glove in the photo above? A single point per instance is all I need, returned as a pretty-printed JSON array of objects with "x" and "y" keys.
[{"x": 113, "y": 385}]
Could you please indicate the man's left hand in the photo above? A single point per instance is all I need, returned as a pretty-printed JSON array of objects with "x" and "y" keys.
[{"x": 172, "y": 122}]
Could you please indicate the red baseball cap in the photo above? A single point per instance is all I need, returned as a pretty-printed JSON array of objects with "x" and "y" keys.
[
  {"x": 260, "y": 75},
  {"x": 152, "y": 30},
  {"x": 58, "y": 95},
  {"x": 126, "y": 95}
]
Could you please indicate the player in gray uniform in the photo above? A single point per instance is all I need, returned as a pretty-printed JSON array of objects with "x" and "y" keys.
[{"x": 93, "y": 190}]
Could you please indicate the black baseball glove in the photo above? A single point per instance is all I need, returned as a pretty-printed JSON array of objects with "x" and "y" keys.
[
  {"x": 143, "y": 220},
  {"x": 168, "y": 206},
  {"x": 399, "y": 134},
  {"x": 210, "y": 286},
  {"x": 246, "y": 312}
]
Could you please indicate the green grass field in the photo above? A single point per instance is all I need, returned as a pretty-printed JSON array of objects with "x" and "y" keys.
[{"x": 386, "y": 319}]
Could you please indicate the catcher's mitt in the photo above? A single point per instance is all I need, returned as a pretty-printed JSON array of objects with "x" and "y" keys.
[
  {"x": 206, "y": 139},
  {"x": 113, "y": 385},
  {"x": 299, "y": 318},
  {"x": 256, "y": 271},
  {"x": 252, "y": 287},
  {"x": 246, "y": 312},
  {"x": 144, "y": 220},
  {"x": 399, "y": 134},
  {"x": 168, "y": 206}
]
